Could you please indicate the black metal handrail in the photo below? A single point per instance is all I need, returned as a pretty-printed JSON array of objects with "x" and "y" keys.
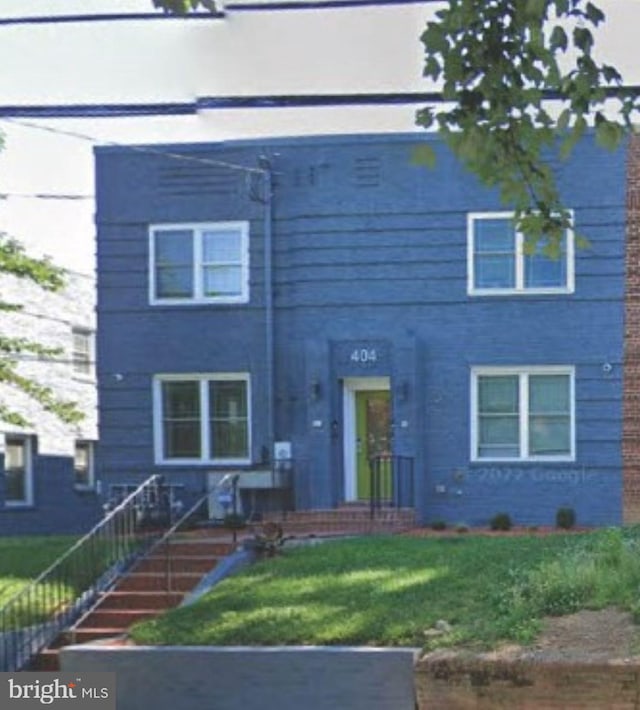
[
  {"x": 38, "y": 613},
  {"x": 227, "y": 484},
  {"x": 392, "y": 483}
]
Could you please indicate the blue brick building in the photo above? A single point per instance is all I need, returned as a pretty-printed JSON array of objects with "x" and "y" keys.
[{"x": 326, "y": 300}]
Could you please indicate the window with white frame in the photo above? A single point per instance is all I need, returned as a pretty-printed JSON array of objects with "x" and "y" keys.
[
  {"x": 199, "y": 263},
  {"x": 498, "y": 264},
  {"x": 83, "y": 465},
  {"x": 202, "y": 418},
  {"x": 18, "y": 483},
  {"x": 523, "y": 414},
  {"x": 82, "y": 352}
]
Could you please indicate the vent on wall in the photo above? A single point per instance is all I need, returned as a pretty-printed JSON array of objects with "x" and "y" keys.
[
  {"x": 197, "y": 179},
  {"x": 366, "y": 172}
]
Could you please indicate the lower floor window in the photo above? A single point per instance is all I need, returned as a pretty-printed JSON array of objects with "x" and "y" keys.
[
  {"x": 83, "y": 465},
  {"x": 202, "y": 418},
  {"x": 523, "y": 413},
  {"x": 17, "y": 471}
]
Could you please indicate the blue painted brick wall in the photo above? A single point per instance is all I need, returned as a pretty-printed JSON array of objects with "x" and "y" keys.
[{"x": 368, "y": 248}]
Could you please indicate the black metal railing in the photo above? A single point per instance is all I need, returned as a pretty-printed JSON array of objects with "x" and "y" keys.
[
  {"x": 392, "y": 484},
  {"x": 33, "y": 618},
  {"x": 225, "y": 492}
]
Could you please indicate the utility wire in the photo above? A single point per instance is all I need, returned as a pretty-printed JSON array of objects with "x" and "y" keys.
[
  {"x": 273, "y": 6},
  {"x": 147, "y": 150},
  {"x": 45, "y": 196}
]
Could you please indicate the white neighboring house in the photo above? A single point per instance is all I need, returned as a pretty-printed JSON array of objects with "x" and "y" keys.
[{"x": 50, "y": 460}]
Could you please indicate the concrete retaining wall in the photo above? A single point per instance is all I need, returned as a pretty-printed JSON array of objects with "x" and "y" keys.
[{"x": 242, "y": 678}]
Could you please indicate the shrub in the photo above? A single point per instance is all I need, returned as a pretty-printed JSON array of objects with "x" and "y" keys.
[
  {"x": 438, "y": 525},
  {"x": 501, "y": 521},
  {"x": 565, "y": 518},
  {"x": 462, "y": 528}
]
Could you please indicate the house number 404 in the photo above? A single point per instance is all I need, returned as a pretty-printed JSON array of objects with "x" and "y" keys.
[{"x": 364, "y": 355}]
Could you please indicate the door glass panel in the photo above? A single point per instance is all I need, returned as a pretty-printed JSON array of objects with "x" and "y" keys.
[{"x": 373, "y": 429}]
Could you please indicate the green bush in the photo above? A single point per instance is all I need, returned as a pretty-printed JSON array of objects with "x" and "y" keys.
[
  {"x": 438, "y": 525},
  {"x": 565, "y": 518},
  {"x": 501, "y": 521}
]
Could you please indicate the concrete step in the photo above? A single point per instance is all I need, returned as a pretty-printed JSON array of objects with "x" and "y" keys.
[
  {"x": 196, "y": 548},
  {"x": 47, "y": 660},
  {"x": 116, "y": 618},
  {"x": 157, "y": 581},
  {"x": 173, "y": 564},
  {"x": 160, "y": 600},
  {"x": 87, "y": 634}
]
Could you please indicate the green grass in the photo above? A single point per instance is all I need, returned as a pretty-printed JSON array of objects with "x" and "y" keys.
[
  {"x": 390, "y": 590},
  {"x": 22, "y": 559}
]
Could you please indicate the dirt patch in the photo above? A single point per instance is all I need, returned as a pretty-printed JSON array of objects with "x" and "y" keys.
[{"x": 586, "y": 636}]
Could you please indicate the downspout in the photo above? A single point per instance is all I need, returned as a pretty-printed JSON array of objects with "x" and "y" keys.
[{"x": 265, "y": 166}]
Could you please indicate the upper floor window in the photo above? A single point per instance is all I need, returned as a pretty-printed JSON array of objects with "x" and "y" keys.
[
  {"x": 82, "y": 352},
  {"x": 18, "y": 478},
  {"x": 522, "y": 414},
  {"x": 83, "y": 470},
  {"x": 199, "y": 263},
  {"x": 202, "y": 418},
  {"x": 497, "y": 262}
]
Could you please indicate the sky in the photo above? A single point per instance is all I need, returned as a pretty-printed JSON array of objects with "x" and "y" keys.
[{"x": 351, "y": 50}]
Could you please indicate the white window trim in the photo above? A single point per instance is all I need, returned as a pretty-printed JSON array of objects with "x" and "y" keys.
[
  {"x": 90, "y": 335},
  {"x": 520, "y": 289},
  {"x": 197, "y": 228},
  {"x": 91, "y": 477},
  {"x": 523, "y": 373},
  {"x": 203, "y": 380},
  {"x": 27, "y": 440}
]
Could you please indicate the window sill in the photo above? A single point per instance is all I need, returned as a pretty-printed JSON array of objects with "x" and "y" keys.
[
  {"x": 538, "y": 460},
  {"x": 240, "y": 300},
  {"x": 220, "y": 463},
  {"x": 525, "y": 292}
]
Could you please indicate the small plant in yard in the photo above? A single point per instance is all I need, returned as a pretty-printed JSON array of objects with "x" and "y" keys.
[
  {"x": 462, "y": 528},
  {"x": 565, "y": 518},
  {"x": 501, "y": 521},
  {"x": 267, "y": 541},
  {"x": 438, "y": 525}
]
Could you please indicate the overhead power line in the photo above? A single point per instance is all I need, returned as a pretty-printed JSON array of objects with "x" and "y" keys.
[
  {"x": 145, "y": 149},
  {"x": 45, "y": 196},
  {"x": 266, "y": 101},
  {"x": 274, "y": 6}
]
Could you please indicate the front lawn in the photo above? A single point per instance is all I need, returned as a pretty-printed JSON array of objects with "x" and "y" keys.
[
  {"x": 22, "y": 559},
  {"x": 393, "y": 590}
]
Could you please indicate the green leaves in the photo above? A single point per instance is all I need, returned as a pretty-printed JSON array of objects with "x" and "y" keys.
[
  {"x": 498, "y": 64},
  {"x": 15, "y": 261},
  {"x": 423, "y": 154},
  {"x": 183, "y": 7}
]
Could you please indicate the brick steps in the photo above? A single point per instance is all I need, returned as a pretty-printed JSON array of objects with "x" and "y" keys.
[
  {"x": 141, "y": 599},
  {"x": 144, "y": 593}
]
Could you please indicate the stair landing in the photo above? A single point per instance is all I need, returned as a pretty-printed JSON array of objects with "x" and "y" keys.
[{"x": 347, "y": 519}]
